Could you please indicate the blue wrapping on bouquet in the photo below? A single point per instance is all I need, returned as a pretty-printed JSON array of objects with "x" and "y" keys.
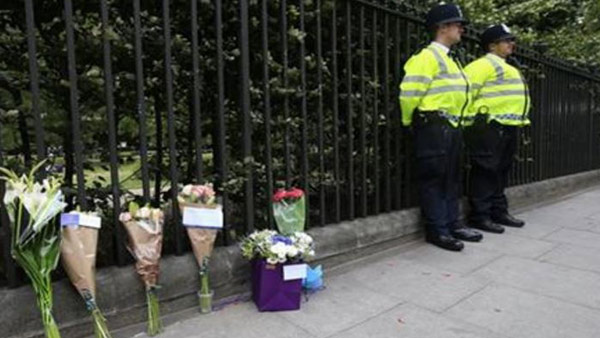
[
  {"x": 314, "y": 279},
  {"x": 270, "y": 292}
]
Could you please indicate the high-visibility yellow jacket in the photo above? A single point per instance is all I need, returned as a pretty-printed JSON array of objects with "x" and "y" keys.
[
  {"x": 498, "y": 90},
  {"x": 433, "y": 81}
]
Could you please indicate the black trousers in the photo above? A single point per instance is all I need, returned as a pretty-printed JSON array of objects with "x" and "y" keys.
[
  {"x": 492, "y": 149},
  {"x": 437, "y": 148}
]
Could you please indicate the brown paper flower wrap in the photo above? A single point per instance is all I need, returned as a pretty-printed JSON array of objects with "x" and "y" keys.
[
  {"x": 144, "y": 227},
  {"x": 201, "y": 238},
  {"x": 78, "y": 251}
]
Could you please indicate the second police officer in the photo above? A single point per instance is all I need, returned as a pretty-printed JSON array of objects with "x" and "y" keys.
[
  {"x": 501, "y": 101},
  {"x": 434, "y": 99}
]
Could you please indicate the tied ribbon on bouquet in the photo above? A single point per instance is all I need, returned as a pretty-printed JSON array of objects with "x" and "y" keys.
[
  {"x": 145, "y": 229},
  {"x": 202, "y": 218},
  {"x": 35, "y": 242},
  {"x": 78, "y": 249}
]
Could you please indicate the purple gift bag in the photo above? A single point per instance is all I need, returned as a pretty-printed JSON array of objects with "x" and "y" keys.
[{"x": 270, "y": 292}]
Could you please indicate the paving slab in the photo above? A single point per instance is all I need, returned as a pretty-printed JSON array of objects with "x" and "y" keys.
[
  {"x": 239, "y": 320},
  {"x": 573, "y": 256},
  {"x": 341, "y": 305},
  {"x": 429, "y": 287},
  {"x": 410, "y": 321},
  {"x": 565, "y": 218},
  {"x": 595, "y": 229},
  {"x": 533, "y": 229},
  {"x": 568, "y": 284},
  {"x": 469, "y": 259},
  {"x": 507, "y": 243},
  {"x": 575, "y": 237},
  {"x": 521, "y": 314}
]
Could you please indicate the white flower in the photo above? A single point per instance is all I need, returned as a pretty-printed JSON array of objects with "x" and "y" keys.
[
  {"x": 279, "y": 249},
  {"x": 272, "y": 260},
  {"x": 292, "y": 251},
  {"x": 19, "y": 186},
  {"x": 187, "y": 190},
  {"x": 143, "y": 212},
  {"x": 9, "y": 196}
]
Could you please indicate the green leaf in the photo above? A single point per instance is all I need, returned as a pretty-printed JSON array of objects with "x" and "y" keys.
[{"x": 133, "y": 208}]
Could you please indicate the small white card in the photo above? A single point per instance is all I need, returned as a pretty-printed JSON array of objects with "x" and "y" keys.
[
  {"x": 295, "y": 271},
  {"x": 75, "y": 220},
  {"x": 90, "y": 221},
  {"x": 203, "y": 217}
]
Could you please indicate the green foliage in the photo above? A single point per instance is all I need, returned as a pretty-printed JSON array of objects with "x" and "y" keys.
[{"x": 567, "y": 29}]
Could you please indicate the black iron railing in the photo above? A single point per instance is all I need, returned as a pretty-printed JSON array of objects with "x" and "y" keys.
[{"x": 129, "y": 99}]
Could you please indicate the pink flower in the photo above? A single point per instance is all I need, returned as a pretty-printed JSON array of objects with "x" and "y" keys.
[
  {"x": 198, "y": 191},
  {"x": 125, "y": 217}
]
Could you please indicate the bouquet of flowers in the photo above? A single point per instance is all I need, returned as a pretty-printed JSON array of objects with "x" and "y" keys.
[
  {"x": 144, "y": 226},
  {"x": 35, "y": 243},
  {"x": 202, "y": 217},
  {"x": 277, "y": 268},
  {"x": 78, "y": 250},
  {"x": 289, "y": 210},
  {"x": 276, "y": 248}
]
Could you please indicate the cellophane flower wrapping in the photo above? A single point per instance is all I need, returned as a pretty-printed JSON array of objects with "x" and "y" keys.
[
  {"x": 32, "y": 207},
  {"x": 145, "y": 229},
  {"x": 202, "y": 238},
  {"x": 289, "y": 211},
  {"x": 78, "y": 251}
]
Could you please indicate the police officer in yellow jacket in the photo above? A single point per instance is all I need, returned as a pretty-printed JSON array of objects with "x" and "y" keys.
[
  {"x": 501, "y": 102},
  {"x": 434, "y": 97}
]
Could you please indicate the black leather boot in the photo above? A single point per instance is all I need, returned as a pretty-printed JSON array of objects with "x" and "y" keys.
[
  {"x": 508, "y": 220},
  {"x": 445, "y": 242},
  {"x": 488, "y": 226}
]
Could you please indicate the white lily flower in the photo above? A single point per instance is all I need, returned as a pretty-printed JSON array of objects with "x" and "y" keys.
[{"x": 9, "y": 196}]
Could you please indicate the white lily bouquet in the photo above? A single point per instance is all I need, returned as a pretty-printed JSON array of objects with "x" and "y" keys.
[
  {"x": 202, "y": 218},
  {"x": 145, "y": 228},
  {"x": 35, "y": 245},
  {"x": 78, "y": 249}
]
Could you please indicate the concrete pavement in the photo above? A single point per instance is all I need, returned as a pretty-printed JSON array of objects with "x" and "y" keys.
[{"x": 539, "y": 281}]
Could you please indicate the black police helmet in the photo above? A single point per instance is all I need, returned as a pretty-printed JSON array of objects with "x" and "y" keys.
[
  {"x": 444, "y": 13},
  {"x": 495, "y": 33}
]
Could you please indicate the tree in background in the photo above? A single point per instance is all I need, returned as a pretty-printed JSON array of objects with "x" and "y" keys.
[{"x": 568, "y": 29}]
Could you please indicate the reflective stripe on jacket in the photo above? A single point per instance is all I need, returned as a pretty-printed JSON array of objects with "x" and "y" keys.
[
  {"x": 433, "y": 81},
  {"x": 499, "y": 90}
]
